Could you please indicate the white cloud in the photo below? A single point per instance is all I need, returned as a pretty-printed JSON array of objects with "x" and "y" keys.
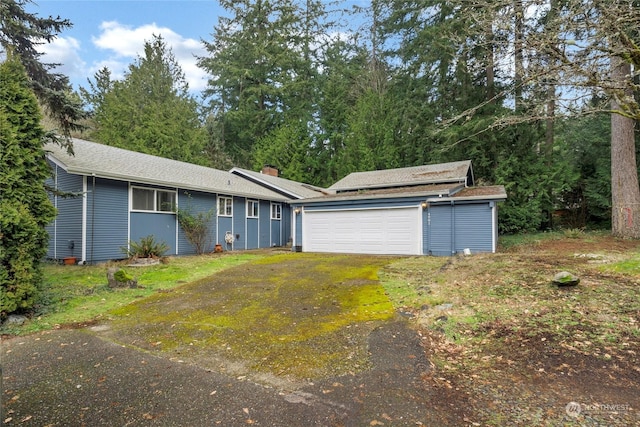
[
  {"x": 66, "y": 52},
  {"x": 125, "y": 43}
]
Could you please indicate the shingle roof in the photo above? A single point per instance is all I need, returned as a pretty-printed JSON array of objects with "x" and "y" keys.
[
  {"x": 481, "y": 193},
  {"x": 402, "y": 177},
  {"x": 428, "y": 190},
  {"x": 115, "y": 163},
  {"x": 292, "y": 189}
]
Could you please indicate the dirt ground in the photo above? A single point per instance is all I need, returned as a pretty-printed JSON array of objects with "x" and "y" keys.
[{"x": 521, "y": 376}]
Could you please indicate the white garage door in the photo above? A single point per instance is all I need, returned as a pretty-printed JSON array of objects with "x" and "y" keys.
[{"x": 365, "y": 231}]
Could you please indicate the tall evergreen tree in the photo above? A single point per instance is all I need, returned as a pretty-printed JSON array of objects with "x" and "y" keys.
[
  {"x": 24, "y": 204},
  {"x": 151, "y": 110},
  {"x": 342, "y": 65},
  {"x": 261, "y": 66},
  {"x": 22, "y": 32}
]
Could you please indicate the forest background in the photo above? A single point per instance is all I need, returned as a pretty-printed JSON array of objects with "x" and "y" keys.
[{"x": 538, "y": 94}]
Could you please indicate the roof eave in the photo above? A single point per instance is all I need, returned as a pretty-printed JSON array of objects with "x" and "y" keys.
[
  {"x": 496, "y": 197},
  {"x": 456, "y": 180},
  {"x": 140, "y": 180},
  {"x": 277, "y": 188},
  {"x": 360, "y": 197}
]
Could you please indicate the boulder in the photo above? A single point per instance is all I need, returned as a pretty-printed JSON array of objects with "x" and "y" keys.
[
  {"x": 15, "y": 320},
  {"x": 564, "y": 278},
  {"x": 119, "y": 278}
]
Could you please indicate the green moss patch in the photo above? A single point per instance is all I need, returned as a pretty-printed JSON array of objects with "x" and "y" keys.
[{"x": 297, "y": 315}]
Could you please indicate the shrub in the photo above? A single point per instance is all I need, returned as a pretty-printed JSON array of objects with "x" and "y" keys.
[
  {"x": 146, "y": 248},
  {"x": 25, "y": 208},
  {"x": 196, "y": 227}
]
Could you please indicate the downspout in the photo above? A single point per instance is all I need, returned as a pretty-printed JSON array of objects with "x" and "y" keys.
[
  {"x": 55, "y": 221},
  {"x": 453, "y": 229},
  {"x": 494, "y": 229},
  {"x": 93, "y": 216},
  {"x": 83, "y": 256},
  {"x": 217, "y": 236},
  {"x": 293, "y": 230},
  {"x": 246, "y": 224},
  {"x": 177, "y": 222},
  {"x": 294, "y": 227}
]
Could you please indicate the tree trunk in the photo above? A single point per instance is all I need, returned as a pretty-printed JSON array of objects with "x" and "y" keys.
[
  {"x": 625, "y": 193},
  {"x": 518, "y": 43}
]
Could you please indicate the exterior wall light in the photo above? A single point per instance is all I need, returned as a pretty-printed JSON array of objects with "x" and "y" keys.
[
  {"x": 296, "y": 211},
  {"x": 424, "y": 205}
]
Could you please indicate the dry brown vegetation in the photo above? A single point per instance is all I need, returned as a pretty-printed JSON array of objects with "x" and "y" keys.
[{"x": 512, "y": 348}]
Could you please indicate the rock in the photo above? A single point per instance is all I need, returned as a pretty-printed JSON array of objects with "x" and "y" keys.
[
  {"x": 443, "y": 307},
  {"x": 115, "y": 273},
  {"x": 15, "y": 320},
  {"x": 564, "y": 278},
  {"x": 407, "y": 314}
]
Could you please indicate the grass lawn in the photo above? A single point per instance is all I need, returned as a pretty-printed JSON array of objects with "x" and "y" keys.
[{"x": 77, "y": 294}]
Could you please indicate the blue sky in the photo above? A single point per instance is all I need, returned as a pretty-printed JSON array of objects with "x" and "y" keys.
[{"x": 112, "y": 33}]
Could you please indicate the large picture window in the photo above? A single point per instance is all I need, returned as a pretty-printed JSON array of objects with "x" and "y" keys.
[
  {"x": 276, "y": 211},
  {"x": 252, "y": 209},
  {"x": 152, "y": 200},
  {"x": 225, "y": 206}
]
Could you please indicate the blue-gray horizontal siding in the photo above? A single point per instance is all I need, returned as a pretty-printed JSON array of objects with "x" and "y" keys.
[
  {"x": 439, "y": 231},
  {"x": 67, "y": 227},
  {"x": 162, "y": 226},
  {"x": 107, "y": 219},
  {"x": 265, "y": 224},
  {"x": 473, "y": 227},
  {"x": 285, "y": 224},
  {"x": 239, "y": 220},
  {"x": 454, "y": 228},
  {"x": 197, "y": 202},
  {"x": 252, "y": 238},
  {"x": 51, "y": 227}
]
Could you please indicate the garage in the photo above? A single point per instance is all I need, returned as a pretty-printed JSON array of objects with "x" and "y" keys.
[{"x": 393, "y": 231}]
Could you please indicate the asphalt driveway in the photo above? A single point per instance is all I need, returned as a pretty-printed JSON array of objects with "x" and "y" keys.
[
  {"x": 111, "y": 374},
  {"x": 77, "y": 378}
]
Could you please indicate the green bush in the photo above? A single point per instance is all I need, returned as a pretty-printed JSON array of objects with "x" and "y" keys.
[
  {"x": 23, "y": 245},
  {"x": 196, "y": 227},
  {"x": 25, "y": 208},
  {"x": 146, "y": 248}
]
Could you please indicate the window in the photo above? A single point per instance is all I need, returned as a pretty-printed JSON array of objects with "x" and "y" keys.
[
  {"x": 225, "y": 206},
  {"x": 276, "y": 211},
  {"x": 149, "y": 199},
  {"x": 165, "y": 201},
  {"x": 252, "y": 209}
]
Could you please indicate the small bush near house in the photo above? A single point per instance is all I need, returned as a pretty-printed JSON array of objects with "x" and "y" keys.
[
  {"x": 146, "y": 248},
  {"x": 196, "y": 228}
]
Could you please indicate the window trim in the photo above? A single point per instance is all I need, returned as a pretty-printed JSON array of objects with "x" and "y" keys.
[
  {"x": 277, "y": 217},
  {"x": 155, "y": 200},
  {"x": 255, "y": 212},
  {"x": 227, "y": 204}
]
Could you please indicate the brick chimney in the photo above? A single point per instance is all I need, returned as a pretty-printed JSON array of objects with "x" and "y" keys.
[{"x": 269, "y": 170}]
